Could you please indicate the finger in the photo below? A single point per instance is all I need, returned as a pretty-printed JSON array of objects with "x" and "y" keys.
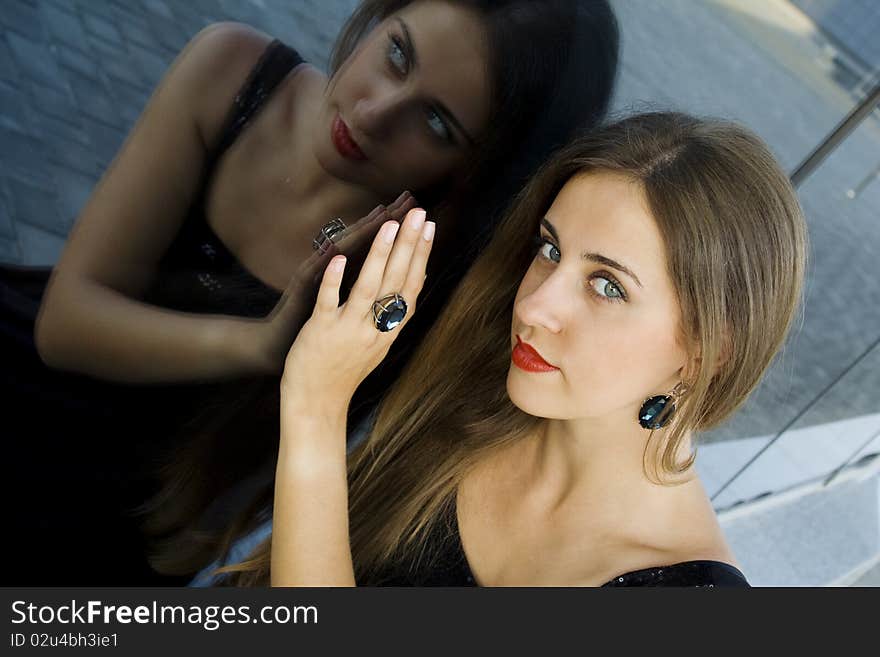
[
  {"x": 399, "y": 201},
  {"x": 368, "y": 282},
  {"x": 319, "y": 258},
  {"x": 400, "y": 211},
  {"x": 404, "y": 246},
  {"x": 415, "y": 277},
  {"x": 328, "y": 293},
  {"x": 358, "y": 232},
  {"x": 375, "y": 213},
  {"x": 320, "y": 261},
  {"x": 394, "y": 204}
]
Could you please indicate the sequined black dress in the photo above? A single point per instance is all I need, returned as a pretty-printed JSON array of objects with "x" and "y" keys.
[
  {"x": 198, "y": 273},
  {"x": 446, "y": 564},
  {"x": 449, "y": 567},
  {"x": 78, "y": 448}
]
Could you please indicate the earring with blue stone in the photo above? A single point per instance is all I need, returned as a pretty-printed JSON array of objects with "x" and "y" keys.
[{"x": 658, "y": 410}]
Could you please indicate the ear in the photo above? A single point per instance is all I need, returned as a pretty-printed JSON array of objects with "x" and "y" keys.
[
  {"x": 725, "y": 352},
  {"x": 689, "y": 370},
  {"x": 695, "y": 360}
]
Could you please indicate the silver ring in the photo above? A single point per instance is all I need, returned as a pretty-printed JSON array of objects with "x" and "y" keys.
[
  {"x": 328, "y": 231},
  {"x": 389, "y": 311}
]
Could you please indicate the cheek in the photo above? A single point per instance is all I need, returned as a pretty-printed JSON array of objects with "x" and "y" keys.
[
  {"x": 602, "y": 362},
  {"x": 623, "y": 362},
  {"x": 348, "y": 85},
  {"x": 355, "y": 76},
  {"x": 528, "y": 284},
  {"x": 415, "y": 162}
]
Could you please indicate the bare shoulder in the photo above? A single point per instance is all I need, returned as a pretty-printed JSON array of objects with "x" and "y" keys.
[
  {"x": 141, "y": 200},
  {"x": 225, "y": 47},
  {"x": 215, "y": 64},
  {"x": 219, "y": 59},
  {"x": 675, "y": 528},
  {"x": 208, "y": 72},
  {"x": 687, "y": 528}
]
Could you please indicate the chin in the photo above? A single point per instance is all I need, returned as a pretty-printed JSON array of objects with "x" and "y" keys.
[
  {"x": 333, "y": 163},
  {"x": 519, "y": 395},
  {"x": 526, "y": 395}
]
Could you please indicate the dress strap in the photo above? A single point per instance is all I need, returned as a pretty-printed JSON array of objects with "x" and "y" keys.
[{"x": 273, "y": 66}]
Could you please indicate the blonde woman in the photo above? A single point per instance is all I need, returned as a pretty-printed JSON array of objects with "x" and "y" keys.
[{"x": 543, "y": 434}]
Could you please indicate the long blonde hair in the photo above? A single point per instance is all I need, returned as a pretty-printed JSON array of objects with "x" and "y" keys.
[{"x": 736, "y": 249}]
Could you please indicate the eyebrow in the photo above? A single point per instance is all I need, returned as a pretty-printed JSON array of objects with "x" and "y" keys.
[
  {"x": 594, "y": 257},
  {"x": 413, "y": 58}
]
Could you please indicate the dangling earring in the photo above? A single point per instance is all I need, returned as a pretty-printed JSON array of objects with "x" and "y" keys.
[{"x": 658, "y": 410}]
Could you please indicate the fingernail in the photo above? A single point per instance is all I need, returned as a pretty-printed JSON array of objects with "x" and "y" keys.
[
  {"x": 338, "y": 264},
  {"x": 418, "y": 218},
  {"x": 428, "y": 232},
  {"x": 389, "y": 230}
]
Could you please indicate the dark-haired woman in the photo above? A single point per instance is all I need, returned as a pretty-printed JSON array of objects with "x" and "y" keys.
[
  {"x": 543, "y": 433},
  {"x": 192, "y": 263}
]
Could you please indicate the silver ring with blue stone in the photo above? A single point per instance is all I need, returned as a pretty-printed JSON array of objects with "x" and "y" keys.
[{"x": 389, "y": 311}]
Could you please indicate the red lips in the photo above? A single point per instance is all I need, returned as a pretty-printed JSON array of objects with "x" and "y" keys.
[
  {"x": 345, "y": 145},
  {"x": 525, "y": 357}
]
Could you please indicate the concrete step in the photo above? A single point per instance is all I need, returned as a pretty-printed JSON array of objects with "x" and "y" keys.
[{"x": 811, "y": 535}]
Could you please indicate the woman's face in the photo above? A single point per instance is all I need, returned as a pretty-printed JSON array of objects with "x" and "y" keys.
[
  {"x": 598, "y": 305},
  {"x": 405, "y": 108}
]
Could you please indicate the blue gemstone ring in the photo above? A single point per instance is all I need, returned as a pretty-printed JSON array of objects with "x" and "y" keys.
[{"x": 389, "y": 311}]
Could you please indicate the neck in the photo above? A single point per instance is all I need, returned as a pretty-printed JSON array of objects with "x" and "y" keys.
[
  {"x": 594, "y": 456},
  {"x": 317, "y": 194},
  {"x": 327, "y": 195}
]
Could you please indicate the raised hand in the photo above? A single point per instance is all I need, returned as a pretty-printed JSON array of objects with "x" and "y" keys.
[
  {"x": 276, "y": 332},
  {"x": 340, "y": 345}
]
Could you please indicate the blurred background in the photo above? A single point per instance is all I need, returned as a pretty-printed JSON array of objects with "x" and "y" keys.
[{"x": 795, "y": 476}]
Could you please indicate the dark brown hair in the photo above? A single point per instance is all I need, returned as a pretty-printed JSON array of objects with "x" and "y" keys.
[{"x": 553, "y": 65}]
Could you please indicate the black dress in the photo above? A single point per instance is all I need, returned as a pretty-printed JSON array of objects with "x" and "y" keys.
[
  {"x": 444, "y": 563},
  {"x": 449, "y": 567},
  {"x": 79, "y": 450}
]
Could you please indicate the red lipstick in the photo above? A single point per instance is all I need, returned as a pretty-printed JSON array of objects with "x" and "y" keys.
[
  {"x": 345, "y": 145},
  {"x": 525, "y": 357}
]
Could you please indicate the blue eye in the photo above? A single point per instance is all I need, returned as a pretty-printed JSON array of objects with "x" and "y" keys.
[
  {"x": 602, "y": 284},
  {"x": 438, "y": 125},
  {"x": 607, "y": 288},
  {"x": 547, "y": 250},
  {"x": 397, "y": 56}
]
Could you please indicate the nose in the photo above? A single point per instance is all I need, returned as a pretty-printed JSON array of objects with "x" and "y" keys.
[
  {"x": 545, "y": 306},
  {"x": 375, "y": 112}
]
